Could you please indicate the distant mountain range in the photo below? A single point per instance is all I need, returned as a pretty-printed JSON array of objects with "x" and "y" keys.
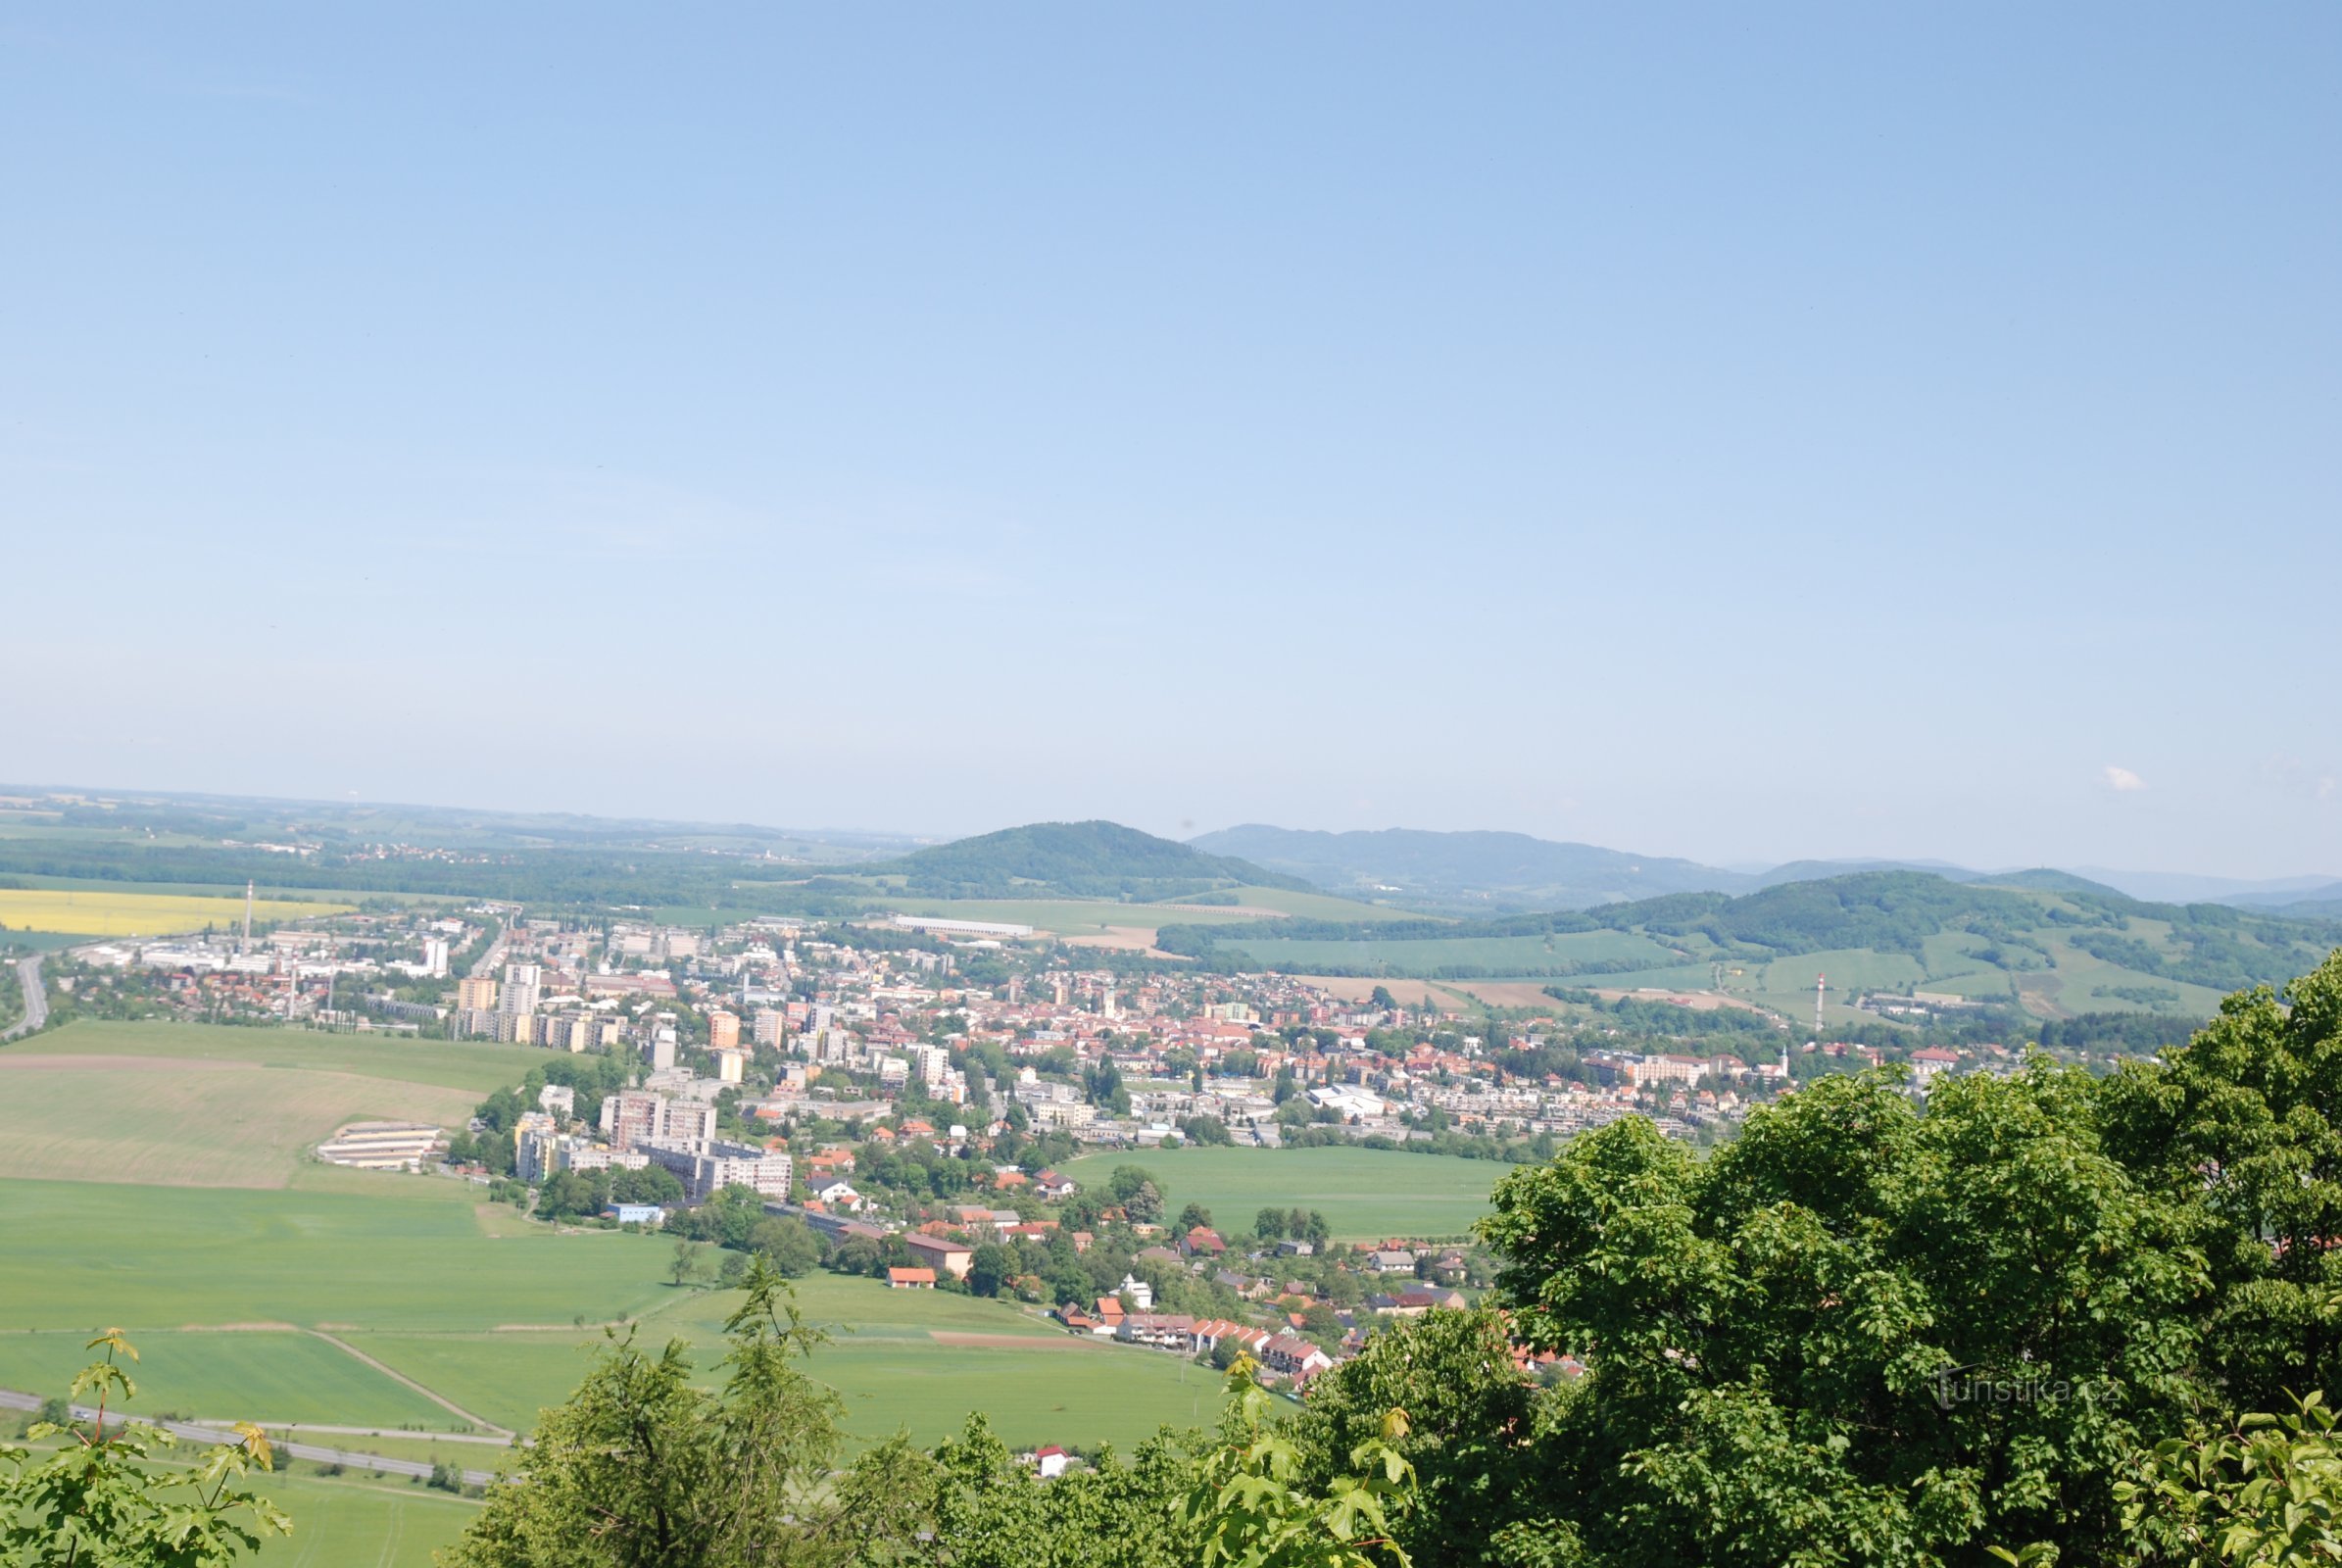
[{"x": 1484, "y": 870}]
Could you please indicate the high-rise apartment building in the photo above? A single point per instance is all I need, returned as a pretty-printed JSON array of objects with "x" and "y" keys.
[
  {"x": 523, "y": 983},
  {"x": 634, "y": 1117}
]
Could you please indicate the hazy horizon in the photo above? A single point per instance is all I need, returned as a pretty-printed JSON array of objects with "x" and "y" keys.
[
  {"x": 1182, "y": 832},
  {"x": 1819, "y": 434}
]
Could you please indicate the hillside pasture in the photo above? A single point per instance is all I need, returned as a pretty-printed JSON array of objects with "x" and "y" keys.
[
  {"x": 110, "y": 913},
  {"x": 1365, "y": 1193},
  {"x": 1497, "y": 958},
  {"x": 1406, "y": 993},
  {"x": 1303, "y": 906}
]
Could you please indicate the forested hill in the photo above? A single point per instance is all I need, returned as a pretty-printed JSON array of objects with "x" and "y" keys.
[
  {"x": 2054, "y": 945},
  {"x": 1450, "y": 869},
  {"x": 1089, "y": 859}
]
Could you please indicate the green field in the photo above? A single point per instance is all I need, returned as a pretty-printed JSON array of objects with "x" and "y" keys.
[
  {"x": 351, "y": 1523},
  {"x": 1365, "y": 1193},
  {"x": 404, "y": 1274},
  {"x": 408, "y": 1253},
  {"x": 269, "y": 1376},
  {"x": 187, "y": 1105},
  {"x": 1311, "y": 905},
  {"x": 916, "y": 1359},
  {"x": 474, "y": 1066}
]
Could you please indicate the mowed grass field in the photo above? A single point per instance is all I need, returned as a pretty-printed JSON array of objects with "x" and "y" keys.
[
  {"x": 110, "y": 913},
  {"x": 411, "y": 1253},
  {"x": 1365, "y": 1193},
  {"x": 403, "y": 1271},
  {"x": 351, "y": 1523},
  {"x": 184, "y": 1105},
  {"x": 272, "y": 1376},
  {"x": 914, "y": 1361}
]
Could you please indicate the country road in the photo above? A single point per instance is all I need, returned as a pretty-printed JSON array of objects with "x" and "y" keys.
[
  {"x": 36, "y": 999},
  {"x": 12, "y": 1399}
]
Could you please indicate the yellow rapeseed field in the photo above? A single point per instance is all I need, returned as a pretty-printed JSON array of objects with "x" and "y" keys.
[{"x": 84, "y": 912}]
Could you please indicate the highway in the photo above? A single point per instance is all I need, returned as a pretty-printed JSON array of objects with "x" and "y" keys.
[
  {"x": 11, "y": 1399},
  {"x": 36, "y": 999}
]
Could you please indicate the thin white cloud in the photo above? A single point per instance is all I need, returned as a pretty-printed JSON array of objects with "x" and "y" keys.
[{"x": 2122, "y": 780}]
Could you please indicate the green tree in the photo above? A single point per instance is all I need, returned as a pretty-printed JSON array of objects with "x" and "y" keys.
[
  {"x": 789, "y": 1244},
  {"x": 991, "y": 1268},
  {"x": 641, "y": 1468},
  {"x": 1905, "y": 1336},
  {"x": 1269, "y": 1225},
  {"x": 1250, "y": 1507},
  {"x": 2265, "y": 1492},
  {"x": 2238, "y": 1130},
  {"x": 101, "y": 1501},
  {"x": 1480, "y": 1493}
]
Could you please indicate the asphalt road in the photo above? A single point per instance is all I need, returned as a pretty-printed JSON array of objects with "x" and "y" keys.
[
  {"x": 37, "y": 998},
  {"x": 11, "y": 1399}
]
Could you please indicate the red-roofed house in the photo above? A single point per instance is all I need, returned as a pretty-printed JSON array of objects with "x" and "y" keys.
[{"x": 1202, "y": 1241}]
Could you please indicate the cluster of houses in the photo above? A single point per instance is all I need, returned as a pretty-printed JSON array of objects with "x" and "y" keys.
[{"x": 1279, "y": 1347}]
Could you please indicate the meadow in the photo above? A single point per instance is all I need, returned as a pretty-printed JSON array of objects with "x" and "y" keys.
[
  {"x": 81, "y": 911},
  {"x": 352, "y": 1522},
  {"x": 192, "y": 1104},
  {"x": 271, "y": 1376},
  {"x": 1365, "y": 1193},
  {"x": 402, "y": 1271}
]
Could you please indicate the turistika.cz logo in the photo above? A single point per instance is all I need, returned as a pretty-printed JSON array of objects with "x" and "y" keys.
[{"x": 1966, "y": 1384}]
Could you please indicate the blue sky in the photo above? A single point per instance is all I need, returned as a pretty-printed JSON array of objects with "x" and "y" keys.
[{"x": 1747, "y": 436}]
